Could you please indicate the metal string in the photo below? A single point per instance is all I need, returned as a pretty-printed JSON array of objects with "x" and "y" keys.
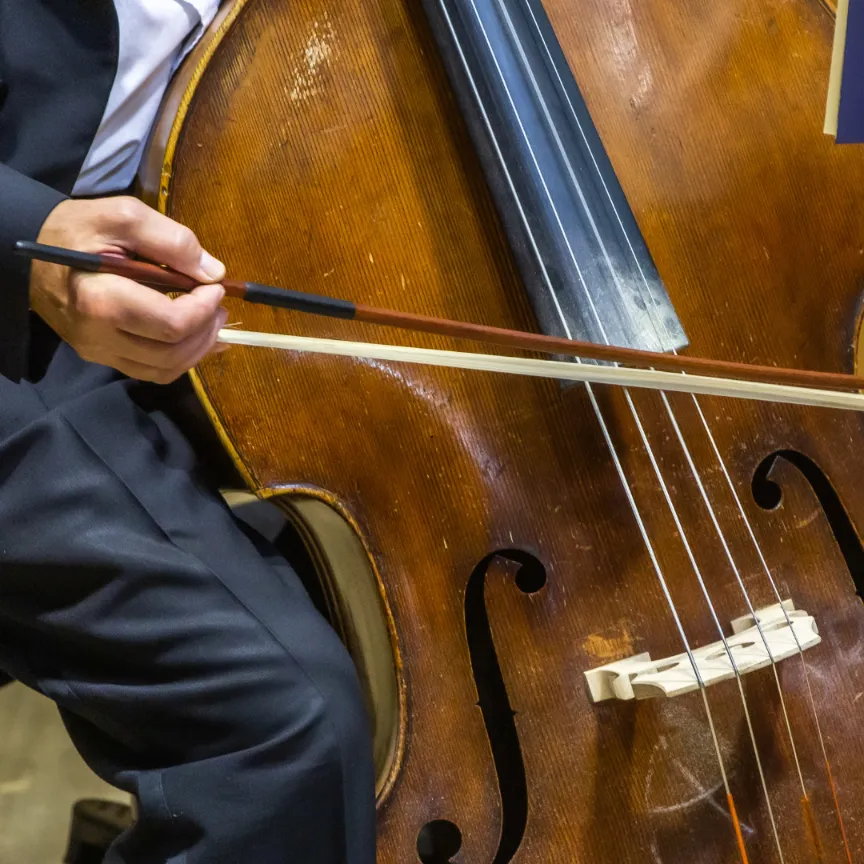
[
  {"x": 804, "y": 664},
  {"x": 653, "y": 318},
  {"x": 603, "y": 426},
  {"x": 694, "y": 471},
  {"x": 598, "y": 412}
]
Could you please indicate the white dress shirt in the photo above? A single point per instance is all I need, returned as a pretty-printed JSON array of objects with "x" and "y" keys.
[{"x": 155, "y": 36}]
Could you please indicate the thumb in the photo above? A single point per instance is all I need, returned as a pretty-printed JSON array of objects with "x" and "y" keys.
[{"x": 143, "y": 230}]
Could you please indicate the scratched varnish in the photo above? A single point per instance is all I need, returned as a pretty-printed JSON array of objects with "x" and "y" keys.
[{"x": 319, "y": 147}]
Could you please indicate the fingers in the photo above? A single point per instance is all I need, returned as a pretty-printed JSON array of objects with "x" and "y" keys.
[
  {"x": 163, "y": 367},
  {"x": 166, "y": 356},
  {"x": 133, "y": 225},
  {"x": 141, "y": 371},
  {"x": 115, "y": 321},
  {"x": 142, "y": 311},
  {"x": 131, "y": 327}
]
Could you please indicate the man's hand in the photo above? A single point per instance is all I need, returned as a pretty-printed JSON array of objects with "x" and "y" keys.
[{"x": 117, "y": 322}]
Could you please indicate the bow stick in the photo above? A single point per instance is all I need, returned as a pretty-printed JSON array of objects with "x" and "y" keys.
[{"x": 649, "y": 362}]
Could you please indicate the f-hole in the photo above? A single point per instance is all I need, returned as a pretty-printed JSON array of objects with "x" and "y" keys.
[
  {"x": 769, "y": 495},
  {"x": 439, "y": 841}
]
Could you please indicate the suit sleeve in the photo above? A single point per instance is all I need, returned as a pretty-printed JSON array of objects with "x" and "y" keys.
[{"x": 24, "y": 207}]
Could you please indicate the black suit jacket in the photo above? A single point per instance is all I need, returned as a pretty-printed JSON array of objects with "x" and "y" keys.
[{"x": 58, "y": 61}]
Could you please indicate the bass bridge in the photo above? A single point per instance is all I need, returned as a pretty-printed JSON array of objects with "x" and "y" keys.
[{"x": 782, "y": 632}]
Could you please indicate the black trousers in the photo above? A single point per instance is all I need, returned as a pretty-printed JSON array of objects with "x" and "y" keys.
[{"x": 188, "y": 662}]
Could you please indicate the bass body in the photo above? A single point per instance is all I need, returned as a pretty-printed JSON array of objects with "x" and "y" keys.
[{"x": 652, "y": 175}]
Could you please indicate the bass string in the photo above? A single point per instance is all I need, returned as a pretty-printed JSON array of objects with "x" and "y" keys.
[
  {"x": 736, "y": 497},
  {"x": 672, "y": 418},
  {"x": 604, "y": 430},
  {"x": 764, "y": 563},
  {"x": 615, "y": 276},
  {"x": 658, "y": 473},
  {"x": 654, "y": 316}
]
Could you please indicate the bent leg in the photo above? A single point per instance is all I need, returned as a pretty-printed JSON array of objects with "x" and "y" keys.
[{"x": 189, "y": 669}]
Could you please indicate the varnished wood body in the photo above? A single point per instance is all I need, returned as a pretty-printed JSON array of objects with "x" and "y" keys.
[{"x": 321, "y": 149}]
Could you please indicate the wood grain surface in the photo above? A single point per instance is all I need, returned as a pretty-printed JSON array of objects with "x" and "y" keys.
[{"x": 320, "y": 148}]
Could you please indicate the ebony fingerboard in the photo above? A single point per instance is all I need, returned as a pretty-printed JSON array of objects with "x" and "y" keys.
[{"x": 580, "y": 252}]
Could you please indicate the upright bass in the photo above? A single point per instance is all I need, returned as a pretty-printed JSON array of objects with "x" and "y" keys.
[{"x": 593, "y": 623}]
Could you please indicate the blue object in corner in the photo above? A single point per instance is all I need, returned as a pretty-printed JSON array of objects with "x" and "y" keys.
[{"x": 850, "y": 117}]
